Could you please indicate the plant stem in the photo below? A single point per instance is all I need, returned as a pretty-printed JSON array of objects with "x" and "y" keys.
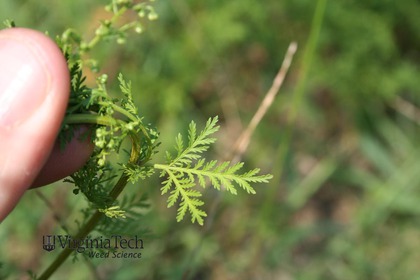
[
  {"x": 115, "y": 192},
  {"x": 89, "y": 119},
  {"x": 297, "y": 98},
  {"x": 87, "y": 228},
  {"x": 98, "y": 38},
  {"x": 120, "y": 110},
  {"x": 267, "y": 211}
]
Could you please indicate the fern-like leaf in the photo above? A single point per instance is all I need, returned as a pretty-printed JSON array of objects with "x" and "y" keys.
[
  {"x": 187, "y": 168},
  {"x": 197, "y": 144}
]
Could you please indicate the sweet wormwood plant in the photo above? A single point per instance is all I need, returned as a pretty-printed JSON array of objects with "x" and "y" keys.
[{"x": 112, "y": 120}]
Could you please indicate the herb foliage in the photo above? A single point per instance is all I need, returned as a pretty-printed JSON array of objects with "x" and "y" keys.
[{"x": 113, "y": 120}]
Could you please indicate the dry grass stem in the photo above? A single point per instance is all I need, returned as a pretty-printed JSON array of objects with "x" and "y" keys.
[
  {"x": 407, "y": 109},
  {"x": 243, "y": 141}
]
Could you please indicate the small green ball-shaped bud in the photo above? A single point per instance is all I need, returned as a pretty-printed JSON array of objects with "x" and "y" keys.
[
  {"x": 103, "y": 78},
  {"x": 100, "y": 143},
  {"x": 102, "y": 30},
  {"x": 101, "y": 162},
  {"x": 100, "y": 132},
  {"x": 138, "y": 29},
  {"x": 121, "y": 40},
  {"x": 111, "y": 144},
  {"x": 141, "y": 13},
  {"x": 66, "y": 35},
  {"x": 152, "y": 16}
]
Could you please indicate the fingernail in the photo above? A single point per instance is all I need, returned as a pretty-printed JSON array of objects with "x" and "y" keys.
[{"x": 24, "y": 80}]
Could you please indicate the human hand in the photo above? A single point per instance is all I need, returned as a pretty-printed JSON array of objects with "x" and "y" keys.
[{"x": 34, "y": 91}]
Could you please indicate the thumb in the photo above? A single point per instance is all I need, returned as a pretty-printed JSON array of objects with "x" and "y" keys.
[{"x": 34, "y": 91}]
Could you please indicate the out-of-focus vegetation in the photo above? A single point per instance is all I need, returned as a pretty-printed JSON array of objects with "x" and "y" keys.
[{"x": 345, "y": 199}]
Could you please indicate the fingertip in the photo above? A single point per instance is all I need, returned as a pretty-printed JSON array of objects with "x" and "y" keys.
[
  {"x": 34, "y": 92},
  {"x": 64, "y": 162}
]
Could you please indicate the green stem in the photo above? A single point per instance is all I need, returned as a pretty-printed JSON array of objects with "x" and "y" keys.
[
  {"x": 119, "y": 110},
  {"x": 98, "y": 38},
  {"x": 115, "y": 192},
  {"x": 135, "y": 156},
  {"x": 89, "y": 119},
  {"x": 88, "y": 227}
]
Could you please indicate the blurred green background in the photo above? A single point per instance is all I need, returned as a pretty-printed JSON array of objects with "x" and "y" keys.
[{"x": 341, "y": 139}]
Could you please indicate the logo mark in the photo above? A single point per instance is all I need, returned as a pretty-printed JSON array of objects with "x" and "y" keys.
[{"x": 48, "y": 242}]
